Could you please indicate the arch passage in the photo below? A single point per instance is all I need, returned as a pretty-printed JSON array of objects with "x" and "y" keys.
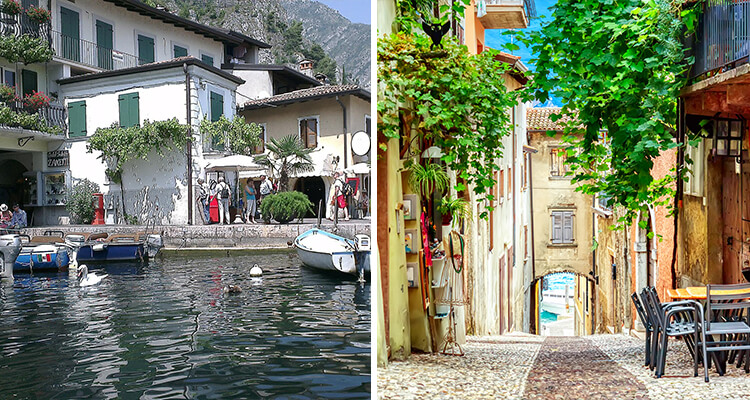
[{"x": 315, "y": 189}]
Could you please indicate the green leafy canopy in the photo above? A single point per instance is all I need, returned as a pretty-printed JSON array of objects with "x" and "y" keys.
[
  {"x": 618, "y": 67},
  {"x": 453, "y": 100}
]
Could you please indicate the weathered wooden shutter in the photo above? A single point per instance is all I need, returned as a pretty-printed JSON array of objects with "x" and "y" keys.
[
  {"x": 556, "y": 227},
  {"x": 77, "y": 118},
  {"x": 567, "y": 227},
  {"x": 207, "y": 59},
  {"x": 312, "y": 132}
]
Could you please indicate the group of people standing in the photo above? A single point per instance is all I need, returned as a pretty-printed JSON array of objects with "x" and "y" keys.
[
  {"x": 223, "y": 192},
  {"x": 12, "y": 220}
]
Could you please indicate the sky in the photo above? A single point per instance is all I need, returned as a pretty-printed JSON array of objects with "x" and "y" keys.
[
  {"x": 354, "y": 10},
  {"x": 495, "y": 39}
]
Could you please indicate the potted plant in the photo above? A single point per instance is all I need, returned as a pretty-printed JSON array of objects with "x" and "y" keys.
[
  {"x": 36, "y": 100},
  {"x": 11, "y": 7},
  {"x": 428, "y": 178},
  {"x": 38, "y": 15},
  {"x": 8, "y": 94},
  {"x": 455, "y": 209}
]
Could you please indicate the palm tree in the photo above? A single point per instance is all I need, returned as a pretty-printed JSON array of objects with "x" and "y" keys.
[{"x": 286, "y": 157}]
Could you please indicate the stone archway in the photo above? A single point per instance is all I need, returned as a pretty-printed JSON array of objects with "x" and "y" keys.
[{"x": 581, "y": 303}]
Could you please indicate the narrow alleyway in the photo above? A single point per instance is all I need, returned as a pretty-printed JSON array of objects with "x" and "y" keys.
[{"x": 519, "y": 366}]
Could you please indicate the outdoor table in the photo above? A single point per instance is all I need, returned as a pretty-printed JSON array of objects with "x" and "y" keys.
[{"x": 699, "y": 293}]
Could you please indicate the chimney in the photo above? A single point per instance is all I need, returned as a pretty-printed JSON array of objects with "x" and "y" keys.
[
  {"x": 306, "y": 67},
  {"x": 322, "y": 78}
]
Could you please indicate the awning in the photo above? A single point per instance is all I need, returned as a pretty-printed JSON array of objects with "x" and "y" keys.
[
  {"x": 359, "y": 168},
  {"x": 251, "y": 174},
  {"x": 238, "y": 162}
]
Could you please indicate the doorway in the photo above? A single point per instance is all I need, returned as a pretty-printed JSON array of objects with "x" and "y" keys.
[{"x": 315, "y": 189}]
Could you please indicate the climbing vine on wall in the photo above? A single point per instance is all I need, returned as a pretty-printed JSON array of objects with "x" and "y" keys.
[
  {"x": 237, "y": 135},
  {"x": 453, "y": 100},
  {"x": 120, "y": 145},
  {"x": 616, "y": 66}
]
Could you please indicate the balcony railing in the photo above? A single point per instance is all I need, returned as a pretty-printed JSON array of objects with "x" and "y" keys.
[
  {"x": 91, "y": 54},
  {"x": 53, "y": 115},
  {"x": 17, "y": 25},
  {"x": 722, "y": 37},
  {"x": 508, "y": 14}
]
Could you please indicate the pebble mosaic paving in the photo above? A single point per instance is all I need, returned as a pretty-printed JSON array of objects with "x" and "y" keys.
[{"x": 519, "y": 366}]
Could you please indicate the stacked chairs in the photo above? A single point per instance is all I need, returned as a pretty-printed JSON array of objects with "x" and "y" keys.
[
  {"x": 676, "y": 319},
  {"x": 728, "y": 320}
]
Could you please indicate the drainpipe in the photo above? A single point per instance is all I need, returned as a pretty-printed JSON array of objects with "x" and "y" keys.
[
  {"x": 343, "y": 113},
  {"x": 533, "y": 243},
  {"x": 189, "y": 145}
]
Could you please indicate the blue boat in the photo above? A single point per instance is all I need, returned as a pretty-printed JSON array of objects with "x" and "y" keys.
[
  {"x": 100, "y": 247},
  {"x": 43, "y": 253}
]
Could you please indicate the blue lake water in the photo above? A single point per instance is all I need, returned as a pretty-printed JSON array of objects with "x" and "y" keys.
[{"x": 167, "y": 330}]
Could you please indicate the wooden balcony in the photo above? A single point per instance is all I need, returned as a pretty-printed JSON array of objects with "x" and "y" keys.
[{"x": 507, "y": 14}]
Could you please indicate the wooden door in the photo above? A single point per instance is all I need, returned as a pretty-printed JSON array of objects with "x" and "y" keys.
[{"x": 731, "y": 235}]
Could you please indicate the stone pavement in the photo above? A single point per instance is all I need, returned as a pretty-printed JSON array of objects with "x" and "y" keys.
[{"x": 520, "y": 366}]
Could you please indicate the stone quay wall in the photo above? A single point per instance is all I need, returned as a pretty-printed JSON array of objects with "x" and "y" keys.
[{"x": 239, "y": 236}]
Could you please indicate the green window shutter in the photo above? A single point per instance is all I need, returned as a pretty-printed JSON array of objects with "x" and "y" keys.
[
  {"x": 217, "y": 106},
  {"x": 77, "y": 118},
  {"x": 180, "y": 51},
  {"x": 129, "y": 110},
  {"x": 104, "y": 44},
  {"x": 28, "y": 81},
  {"x": 145, "y": 49},
  {"x": 207, "y": 59},
  {"x": 70, "y": 32}
]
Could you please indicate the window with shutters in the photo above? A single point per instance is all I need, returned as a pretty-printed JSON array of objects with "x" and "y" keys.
[
  {"x": 28, "y": 82},
  {"x": 694, "y": 184},
  {"x": 263, "y": 138},
  {"x": 501, "y": 187},
  {"x": 561, "y": 227},
  {"x": 145, "y": 49},
  {"x": 217, "y": 110},
  {"x": 207, "y": 59},
  {"x": 308, "y": 131},
  {"x": 557, "y": 166},
  {"x": 77, "y": 118},
  {"x": 129, "y": 111},
  {"x": 179, "y": 51}
]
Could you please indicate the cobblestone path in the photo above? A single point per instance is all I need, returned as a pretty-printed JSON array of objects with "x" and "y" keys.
[
  {"x": 572, "y": 367},
  {"x": 520, "y": 366}
]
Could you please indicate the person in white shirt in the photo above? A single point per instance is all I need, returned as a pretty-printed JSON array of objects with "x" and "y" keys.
[
  {"x": 223, "y": 193},
  {"x": 338, "y": 192}
]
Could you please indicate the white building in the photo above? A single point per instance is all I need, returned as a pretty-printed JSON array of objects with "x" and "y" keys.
[{"x": 111, "y": 51}]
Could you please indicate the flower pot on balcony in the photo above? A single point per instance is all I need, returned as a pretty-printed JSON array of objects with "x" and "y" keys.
[{"x": 11, "y": 8}]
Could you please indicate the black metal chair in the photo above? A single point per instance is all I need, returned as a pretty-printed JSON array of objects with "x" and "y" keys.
[
  {"x": 679, "y": 319},
  {"x": 728, "y": 317},
  {"x": 647, "y": 324}
]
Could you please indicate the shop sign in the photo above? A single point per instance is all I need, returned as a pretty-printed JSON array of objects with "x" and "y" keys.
[{"x": 58, "y": 158}]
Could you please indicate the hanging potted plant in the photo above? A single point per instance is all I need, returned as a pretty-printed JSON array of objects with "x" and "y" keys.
[
  {"x": 455, "y": 209},
  {"x": 38, "y": 15},
  {"x": 427, "y": 179},
  {"x": 11, "y": 7}
]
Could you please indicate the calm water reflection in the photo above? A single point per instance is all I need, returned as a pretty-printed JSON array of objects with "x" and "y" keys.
[{"x": 167, "y": 330}]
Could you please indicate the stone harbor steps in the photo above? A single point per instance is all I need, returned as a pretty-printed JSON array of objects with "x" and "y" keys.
[{"x": 219, "y": 237}]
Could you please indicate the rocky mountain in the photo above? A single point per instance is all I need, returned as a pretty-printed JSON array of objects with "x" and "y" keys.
[{"x": 293, "y": 28}]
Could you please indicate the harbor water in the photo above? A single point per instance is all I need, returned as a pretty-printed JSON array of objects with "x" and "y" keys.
[{"x": 167, "y": 329}]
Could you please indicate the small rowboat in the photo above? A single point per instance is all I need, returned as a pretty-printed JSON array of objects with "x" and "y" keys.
[
  {"x": 319, "y": 249},
  {"x": 48, "y": 252},
  {"x": 99, "y": 247}
]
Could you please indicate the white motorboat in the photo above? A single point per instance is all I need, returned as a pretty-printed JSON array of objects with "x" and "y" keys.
[
  {"x": 327, "y": 251},
  {"x": 10, "y": 246}
]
